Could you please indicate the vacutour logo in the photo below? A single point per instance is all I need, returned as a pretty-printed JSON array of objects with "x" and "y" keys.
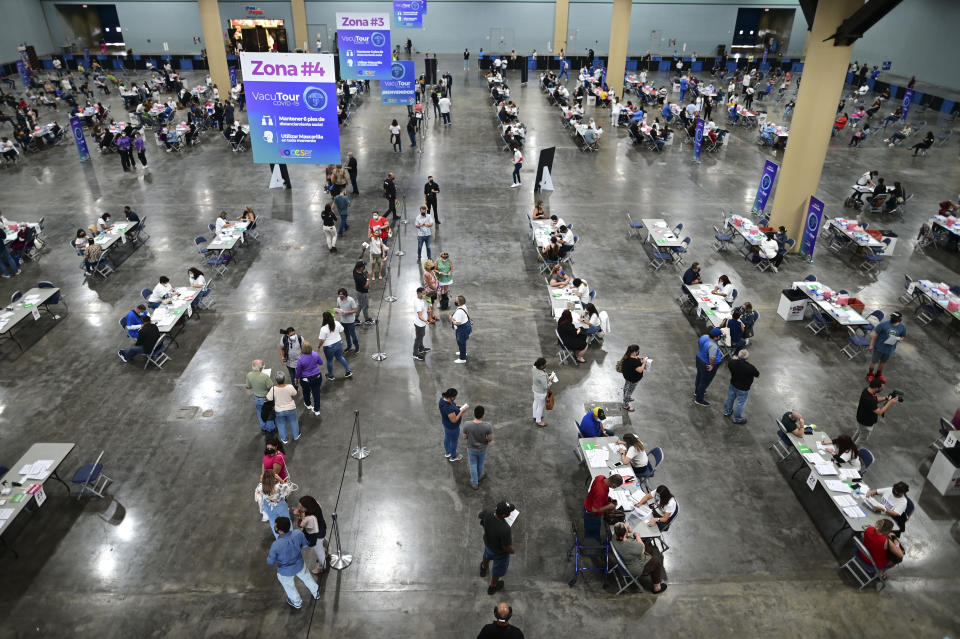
[
  {"x": 396, "y": 71},
  {"x": 315, "y": 98},
  {"x": 297, "y": 153},
  {"x": 377, "y": 39}
]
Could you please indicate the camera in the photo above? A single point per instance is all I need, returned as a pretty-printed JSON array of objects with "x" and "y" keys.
[{"x": 898, "y": 394}]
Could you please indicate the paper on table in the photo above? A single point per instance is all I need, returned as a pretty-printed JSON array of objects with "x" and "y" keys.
[
  {"x": 813, "y": 458},
  {"x": 622, "y": 497},
  {"x": 512, "y": 517},
  {"x": 837, "y": 486},
  {"x": 849, "y": 473},
  {"x": 825, "y": 469},
  {"x": 854, "y": 512},
  {"x": 6, "y": 513},
  {"x": 597, "y": 457},
  {"x": 873, "y": 503},
  {"x": 844, "y": 500}
]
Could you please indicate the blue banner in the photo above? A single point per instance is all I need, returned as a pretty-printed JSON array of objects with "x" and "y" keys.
[
  {"x": 698, "y": 139},
  {"x": 811, "y": 227},
  {"x": 291, "y": 107},
  {"x": 86, "y": 58},
  {"x": 77, "y": 128},
  {"x": 907, "y": 100},
  {"x": 408, "y": 14},
  {"x": 885, "y": 66},
  {"x": 24, "y": 74},
  {"x": 364, "y": 44},
  {"x": 233, "y": 76},
  {"x": 401, "y": 87},
  {"x": 766, "y": 184}
]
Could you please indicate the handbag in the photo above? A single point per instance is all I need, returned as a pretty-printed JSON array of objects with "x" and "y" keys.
[
  {"x": 267, "y": 413},
  {"x": 548, "y": 402}
]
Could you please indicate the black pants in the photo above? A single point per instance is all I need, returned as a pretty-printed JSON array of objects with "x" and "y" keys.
[
  {"x": 143, "y": 157},
  {"x": 392, "y": 206},
  {"x": 126, "y": 158},
  {"x": 353, "y": 180},
  {"x": 420, "y": 331},
  {"x": 432, "y": 205}
]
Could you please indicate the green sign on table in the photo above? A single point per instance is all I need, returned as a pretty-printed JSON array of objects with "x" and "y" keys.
[{"x": 589, "y": 446}]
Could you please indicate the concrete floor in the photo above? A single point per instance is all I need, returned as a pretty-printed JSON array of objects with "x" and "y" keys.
[{"x": 187, "y": 557}]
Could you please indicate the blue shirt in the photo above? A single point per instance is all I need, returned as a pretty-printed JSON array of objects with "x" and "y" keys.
[
  {"x": 885, "y": 330},
  {"x": 133, "y": 319},
  {"x": 590, "y": 426},
  {"x": 709, "y": 348},
  {"x": 445, "y": 409},
  {"x": 285, "y": 553}
]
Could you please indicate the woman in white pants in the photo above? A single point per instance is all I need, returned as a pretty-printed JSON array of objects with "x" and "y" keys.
[
  {"x": 310, "y": 521},
  {"x": 329, "y": 220},
  {"x": 541, "y": 383}
]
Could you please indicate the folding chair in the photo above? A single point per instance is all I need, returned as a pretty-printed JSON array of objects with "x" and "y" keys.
[
  {"x": 862, "y": 567},
  {"x": 633, "y": 228},
  {"x": 56, "y": 299},
  {"x": 679, "y": 251},
  {"x": 664, "y": 547},
  {"x": 252, "y": 231},
  {"x": 141, "y": 234},
  {"x": 659, "y": 259},
  {"x": 91, "y": 479},
  {"x": 158, "y": 356},
  {"x": 565, "y": 353},
  {"x": 946, "y": 427},
  {"x": 872, "y": 259},
  {"x": 203, "y": 299},
  {"x": 819, "y": 323},
  {"x": 654, "y": 459},
  {"x": 781, "y": 445},
  {"x": 101, "y": 268},
  {"x": 621, "y": 573},
  {"x": 857, "y": 342},
  {"x": 722, "y": 240},
  {"x": 928, "y": 312}
]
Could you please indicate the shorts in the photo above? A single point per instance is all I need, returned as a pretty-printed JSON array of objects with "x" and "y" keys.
[
  {"x": 880, "y": 358},
  {"x": 500, "y": 562}
]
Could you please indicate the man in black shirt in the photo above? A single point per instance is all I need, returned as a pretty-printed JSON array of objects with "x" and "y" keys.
[
  {"x": 692, "y": 275},
  {"x": 361, "y": 282},
  {"x": 497, "y": 544},
  {"x": 869, "y": 409},
  {"x": 501, "y": 628},
  {"x": 793, "y": 422},
  {"x": 430, "y": 190},
  {"x": 147, "y": 338},
  {"x": 390, "y": 192},
  {"x": 742, "y": 374},
  {"x": 352, "y": 171}
]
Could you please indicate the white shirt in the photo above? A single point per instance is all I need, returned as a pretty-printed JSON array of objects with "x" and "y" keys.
[
  {"x": 567, "y": 238},
  {"x": 395, "y": 130},
  {"x": 101, "y": 223},
  {"x": 444, "y": 104},
  {"x": 160, "y": 291},
  {"x": 219, "y": 224},
  {"x": 896, "y": 504},
  {"x": 667, "y": 509},
  {"x": 727, "y": 292},
  {"x": 328, "y": 337},
  {"x": 419, "y": 308},
  {"x": 769, "y": 248},
  {"x": 583, "y": 292},
  {"x": 517, "y": 157},
  {"x": 56, "y": 63},
  {"x": 199, "y": 282},
  {"x": 460, "y": 315},
  {"x": 638, "y": 458}
]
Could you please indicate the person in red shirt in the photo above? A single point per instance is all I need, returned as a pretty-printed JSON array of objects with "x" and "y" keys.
[
  {"x": 598, "y": 499},
  {"x": 379, "y": 226},
  {"x": 883, "y": 544}
]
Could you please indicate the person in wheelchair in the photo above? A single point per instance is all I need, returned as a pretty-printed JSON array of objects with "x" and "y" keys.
[{"x": 766, "y": 135}]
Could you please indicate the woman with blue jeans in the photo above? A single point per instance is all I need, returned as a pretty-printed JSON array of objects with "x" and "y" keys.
[
  {"x": 284, "y": 407},
  {"x": 308, "y": 372},
  {"x": 332, "y": 344},
  {"x": 463, "y": 327},
  {"x": 271, "y": 495}
]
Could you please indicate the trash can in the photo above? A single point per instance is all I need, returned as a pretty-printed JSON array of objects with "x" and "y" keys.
[
  {"x": 944, "y": 473},
  {"x": 893, "y": 240},
  {"x": 792, "y": 305}
]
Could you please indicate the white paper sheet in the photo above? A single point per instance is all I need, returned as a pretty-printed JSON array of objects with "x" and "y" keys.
[
  {"x": 825, "y": 470},
  {"x": 854, "y": 512},
  {"x": 849, "y": 473},
  {"x": 837, "y": 486},
  {"x": 844, "y": 500}
]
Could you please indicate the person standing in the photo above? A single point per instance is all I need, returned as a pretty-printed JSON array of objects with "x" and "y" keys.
[
  {"x": 708, "y": 359},
  {"x": 285, "y": 408},
  {"x": 541, "y": 385},
  {"x": 308, "y": 372},
  {"x": 444, "y": 104},
  {"x": 517, "y": 165},
  {"x": 462, "y": 325},
  {"x": 352, "y": 171},
  {"x": 271, "y": 497},
  {"x": 260, "y": 383},
  {"x": 450, "y": 415},
  {"x": 361, "y": 283},
  {"x": 390, "y": 193},
  {"x": 466, "y": 59},
  {"x": 497, "y": 543},
  {"x": 141, "y": 148},
  {"x": 430, "y": 191},
  {"x": 412, "y": 125},
  {"x": 286, "y": 553},
  {"x": 424, "y": 224},
  {"x": 290, "y": 351},
  {"x": 500, "y": 627},
  {"x": 869, "y": 410},
  {"x": 631, "y": 366},
  {"x": 123, "y": 145},
  {"x": 478, "y": 434},
  {"x": 419, "y": 325},
  {"x": 395, "y": 136},
  {"x": 329, "y": 220},
  {"x": 310, "y": 520},
  {"x": 332, "y": 344},
  {"x": 883, "y": 342},
  {"x": 342, "y": 205},
  {"x": 742, "y": 374},
  {"x": 347, "y": 309}
]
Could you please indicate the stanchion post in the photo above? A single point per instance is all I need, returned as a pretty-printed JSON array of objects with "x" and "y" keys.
[
  {"x": 361, "y": 451},
  {"x": 339, "y": 559},
  {"x": 399, "y": 250},
  {"x": 379, "y": 355}
]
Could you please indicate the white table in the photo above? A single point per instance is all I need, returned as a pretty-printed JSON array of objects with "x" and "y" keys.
[
  {"x": 227, "y": 238},
  {"x": 942, "y": 222},
  {"x": 11, "y": 234},
  {"x": 931, "y": 291},
  {"x": 747, "y": 230},
  {"x": 52, "y": 454},
  {"x": 713, "y": 307},
  {"x": 857, "y": 236},
  {"x": 27, "y": 306},
  {"x": 106, "y": 239},
  {"x": 607, "y": 466},
  {"x": 659, "y": 233},
  {"x": 166, "y": 316},
  {"x": 843, "y": 315}
]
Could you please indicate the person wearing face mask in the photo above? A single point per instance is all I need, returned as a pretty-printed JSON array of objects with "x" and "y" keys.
[
  {"x": 271, "y": 496},
  {"x": 379, "y": 226},
  {"x": 286, "y": 553},
  {"x": 347, "y": 310},
  {"x": 274, "y": 458},
  {"x": 291, "y": 346},
  {"x": 285, "y": 408}
]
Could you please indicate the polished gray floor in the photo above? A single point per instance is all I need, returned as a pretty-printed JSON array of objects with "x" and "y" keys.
[{"x": 186, "y": 554}]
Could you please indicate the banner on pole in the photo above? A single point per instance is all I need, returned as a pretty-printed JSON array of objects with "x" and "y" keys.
[
  {"x": 811, "y": 226},
  {"x": 408, "y": 14},
  {"x": 291, "y": 107},
  {"x": 766, "y": 184},
  {"x": 401, "y": 87},
  {"x": 86, "y": 58},
  {"x": 698, "y": 139},
  {"x": 364, "y": 44},
  {"x": 77, "y": 128},
  {"x": 885, "y": 65},
  {"x": 907, "y": 100},
  {"x": 233, "y": 77},
  {"x": 24, "y": 73}
]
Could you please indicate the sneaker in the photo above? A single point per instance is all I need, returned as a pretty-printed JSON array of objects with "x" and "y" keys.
[
  {"x": 331, "y": 378},
  {"x": 447, "y": 455},
  {"x": 265, "y": 518},
  {"x": 514, "y": 185},
  {"x": 881, "y": 378},
  {"x": 419, "y": 358},
  {"x": 492, "y": 589},
  {"x": 297, "y": 437},
  {"x": 316, "y": 413},
  {"x": 459, "y": 361},
  {"x": 8, "y": 277},
  {"x": 869, "y": 377},
  {"x": 628, "y": 407},
  {"x": 426, "y": 350},
  {"x": 290, "y": 603},
  {"x": 742, "y": 421},
  {"x": 701, "y": 402},
  {"x": 119, "y": 353},
  {"x": 308, "y": 406},
  {"x": 316, "y": 596},
  {"x": 284, "y": 441},
  {"x": 457, "y": 458},
  {"x": 475, "y": 486},
  {"x": 774, "y": 269},
  {"x": 348, "y": 375}
]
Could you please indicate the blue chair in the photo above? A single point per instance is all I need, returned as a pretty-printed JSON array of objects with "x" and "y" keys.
[
  {"x": 857, "y": 342},
  {"x": 843, "y": 291},
  {"x": 3, "y": 470},
  {"x": 57, "y": 297},
  {"x": 877, "y": 315},
  {"x": 810, "y": 278},
  {"x": 91, "y": 479},
  {"x": 654, "y": 459},
  {"x": 146, "y": 293},
  {"x": 872, "y": 259},
  {"x": 212, "y": 227},
  {"x": 928, "y": 312},
  {"x": 723, "y": 240},
  {"x": 678, "y": 251},
  {"x": 866, "y": 459},
  {"x": 16, "y": 295},
  {"x": 658, "y": 259},
  {"x": 955, "y": 290},
  {"x": 678, "y": 228},
  {"x": 782, "y": 445},
  {"x": 633, "y": 228},
  {"x": 734, "y": 294},
  {"x": 819, "y": 323}
]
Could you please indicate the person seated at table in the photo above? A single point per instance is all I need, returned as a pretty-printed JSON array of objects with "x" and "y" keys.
[
  {"x": 91, "y": 255},
  {"x": 633, "y": 453},
  {"x": 667, "y": 112},
  {"x": 147, "y": 339},
  {"x": 538, "y": 212},
  {"x": 104, "y": 223},
  {"x": 878, "y": 190},
  {"x": 892, "y": 500},
  {"x": 591, "y": 317},
  {"x": 793, "y": 422},
  {"x": 133, "y": 320},
  {"x": 769, "y": 249},
  {"x": 22, "y": 136},
  {"x": 161, "y": 293},
  {"x": 663, "y": 504},
  {"x": 590, "y": 138},
  {"x": 692, "y": 275},
  {"x": 840, "y": 123},
  {"x": 591, "y": 424},
  {"x": 896, "y": 196},
  {"x": 196, "y": 278},
  {"x": 659, "y": 135},
  {"x": 229, "y": 131},
  {"x": 558, "y": 277},
  {"x": 766, "y": 135},
  {"x": 736, "y": 328},
  {"x": 80, "y": 241},
  {"x": 248, "y": 215},
  {"x": 8, "y": 150},
  {"x": 551, "y": 252},
  {"x": 923, "y": 144},
  {"x": 222, "y": 222},
  {"x": 883, "y": 545},
  {"x": 860, "y": 135},
  {"x": 631, "y": 549},
  {"x": 724, "y": 288},
  {"x": 570, "y": 336},
  {"x": 581, "y": 289},
  {"x": 844, "y": 451},
  {"x": 512, "y": 141},
  {"x": 748, "y": 317},
  {"x": 566, "y": 238},
  {"x": 598, "y": 500}
]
